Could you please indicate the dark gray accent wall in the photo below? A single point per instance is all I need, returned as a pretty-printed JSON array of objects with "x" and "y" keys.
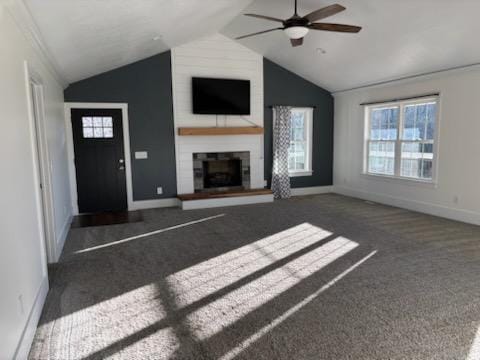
[
  {"x": 282, "y": 87},
  {"x": 147, "y": 88}
]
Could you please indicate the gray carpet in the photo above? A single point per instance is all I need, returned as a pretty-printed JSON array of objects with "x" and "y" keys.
[{"x": 320, "y": 277}]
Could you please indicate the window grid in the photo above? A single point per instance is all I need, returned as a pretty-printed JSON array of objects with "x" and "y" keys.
[
  {"x": 408, "y": 155},
  {"x": 97, "y": 127},
  {"x": 299, "y": 152},
  {"x": 298, "y": 142}
]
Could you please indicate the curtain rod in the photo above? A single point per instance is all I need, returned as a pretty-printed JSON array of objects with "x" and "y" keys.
[
  {"x": 306, "y": 106},
  {"x": 400, "y": 99}
]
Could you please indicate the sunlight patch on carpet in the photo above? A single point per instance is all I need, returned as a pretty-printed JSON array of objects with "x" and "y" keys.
[
  {"x": 474, "y": 353},
  {"x": 199, "y": 281},
  {"x": 91, "y": 329},
  {"x": 213, "y": 275},
  {"x": 260, "y": 333}
]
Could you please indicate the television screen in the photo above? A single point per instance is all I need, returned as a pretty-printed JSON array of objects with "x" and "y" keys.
[{"x": 221, "y": 96}]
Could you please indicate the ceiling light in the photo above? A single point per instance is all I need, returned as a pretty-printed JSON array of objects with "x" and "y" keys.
[{"x": 296, "y": 32}]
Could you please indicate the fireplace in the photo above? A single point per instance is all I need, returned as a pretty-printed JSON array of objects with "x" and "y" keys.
[{"x": 221, "y": 171}]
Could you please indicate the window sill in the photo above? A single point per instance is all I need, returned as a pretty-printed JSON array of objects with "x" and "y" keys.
[
  {"x": 300, "y": 173},
  {"x": 401, "y": 180}
]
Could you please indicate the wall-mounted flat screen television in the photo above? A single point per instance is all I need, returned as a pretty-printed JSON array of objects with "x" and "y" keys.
[{"x": 221, "y": 96}]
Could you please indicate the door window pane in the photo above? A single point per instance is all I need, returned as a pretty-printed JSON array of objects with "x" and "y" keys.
[
  {"x": 88, "y": 132},
  {"x": 107, "y": 121},
  {"x": 108, "y": 132},
  {"x": 97, "y": 122},
  {"x": 87, "y": 122},
  {"x": 98, "y": 132}
]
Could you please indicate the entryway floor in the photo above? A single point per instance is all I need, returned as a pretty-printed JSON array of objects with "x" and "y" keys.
[{"x": 107, "y": 218}]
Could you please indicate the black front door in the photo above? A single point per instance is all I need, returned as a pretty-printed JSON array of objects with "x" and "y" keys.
[{"x": 99, "y": 160}]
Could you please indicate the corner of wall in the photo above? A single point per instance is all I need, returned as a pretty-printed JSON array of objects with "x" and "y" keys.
[{"x": 60, "y": 240}]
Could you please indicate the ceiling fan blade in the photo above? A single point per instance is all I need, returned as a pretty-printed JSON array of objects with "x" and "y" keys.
[
  {"x": 324, "y": 12},
  {"x": 257, "y": 33},
  {"x": 296, "y": 42},
  {"x": 335, "y": 27},
  {"x": 264, "y": 17}
]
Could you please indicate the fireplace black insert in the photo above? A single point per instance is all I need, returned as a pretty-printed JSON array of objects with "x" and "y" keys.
[{"x": 222, "y": 173}]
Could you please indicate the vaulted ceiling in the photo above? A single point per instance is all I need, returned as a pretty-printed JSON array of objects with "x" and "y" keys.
[
  {"x": 399, "y": 38},
  {"x": 88, "y": 37}
]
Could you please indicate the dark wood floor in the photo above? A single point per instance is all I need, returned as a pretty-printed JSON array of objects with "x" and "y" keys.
[
  {"x": 223, "y": 194},
  {"x": 108, "y": 218}
]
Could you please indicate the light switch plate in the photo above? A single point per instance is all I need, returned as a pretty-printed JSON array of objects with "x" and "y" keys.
[{"x": 141, "y": 155}]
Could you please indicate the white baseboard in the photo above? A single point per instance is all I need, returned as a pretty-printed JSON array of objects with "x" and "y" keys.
[
  {"x": 62, "y": 237},
  {"x": 311, "y": 190},
  {"x": 151, "y": 204},
  {"x": 467, "y": 216},
  {"x": 231, "y": 201},
  {"x": 28, "y": 334}
]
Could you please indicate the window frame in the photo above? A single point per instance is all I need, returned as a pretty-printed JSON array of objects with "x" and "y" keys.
[
  {"x": 401, "y": 104},
  {"x": 308, "y": 171}
]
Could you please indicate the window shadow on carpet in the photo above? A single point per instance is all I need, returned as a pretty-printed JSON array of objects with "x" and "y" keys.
[
  {"x": 261, "y": 284},
  {"x": 243, "y": 289}
]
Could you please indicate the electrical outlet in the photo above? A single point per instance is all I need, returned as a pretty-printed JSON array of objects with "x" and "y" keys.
[
  {"x": 265, "y": 183},
  {"x": 159, "y": 190}
]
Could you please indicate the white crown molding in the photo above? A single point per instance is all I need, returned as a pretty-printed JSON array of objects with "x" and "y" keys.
[{"x": 26, "y": 24}]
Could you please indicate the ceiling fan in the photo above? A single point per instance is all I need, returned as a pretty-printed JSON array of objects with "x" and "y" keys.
[{"x": 297, "y": 26}]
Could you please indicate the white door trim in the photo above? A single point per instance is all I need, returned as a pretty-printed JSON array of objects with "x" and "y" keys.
[
  {"x": 71, "y": 152},
  {"x": 42, "y": 164}
]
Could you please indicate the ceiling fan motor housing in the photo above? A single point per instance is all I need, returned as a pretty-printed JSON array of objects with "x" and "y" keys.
[
  {"x": 296, "y": 27},
  {"x": 296, "y": 21}
]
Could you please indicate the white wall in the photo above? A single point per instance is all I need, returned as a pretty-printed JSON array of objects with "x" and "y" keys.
[
  {"x": 218, "y": 57},
  {"x": 23, "y": 273},
  {"x": 457, "y": 192}
]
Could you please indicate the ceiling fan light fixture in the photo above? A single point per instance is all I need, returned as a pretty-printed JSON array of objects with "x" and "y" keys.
[{"x": 296, "y": 32}]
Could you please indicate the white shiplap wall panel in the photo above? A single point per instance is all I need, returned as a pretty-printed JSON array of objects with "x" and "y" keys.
[{"x": 218, "y": 57}]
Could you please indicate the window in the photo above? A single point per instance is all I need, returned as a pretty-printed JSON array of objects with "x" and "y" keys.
[
  {"x": 400, "y": 139},
  {"x": 300, "y": 150},
  {"x": 97, "y": 127}
]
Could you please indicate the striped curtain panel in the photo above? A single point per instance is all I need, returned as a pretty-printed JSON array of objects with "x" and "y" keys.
[{"x": 281, "y": 142}]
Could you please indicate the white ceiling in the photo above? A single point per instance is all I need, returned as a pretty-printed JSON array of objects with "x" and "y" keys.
[
  {"x": 399, "y": 37},
  {"x": 88, "y": 37}
]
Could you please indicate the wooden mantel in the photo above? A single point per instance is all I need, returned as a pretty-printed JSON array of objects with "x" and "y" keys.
[{"x": 206, "y": 131}]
